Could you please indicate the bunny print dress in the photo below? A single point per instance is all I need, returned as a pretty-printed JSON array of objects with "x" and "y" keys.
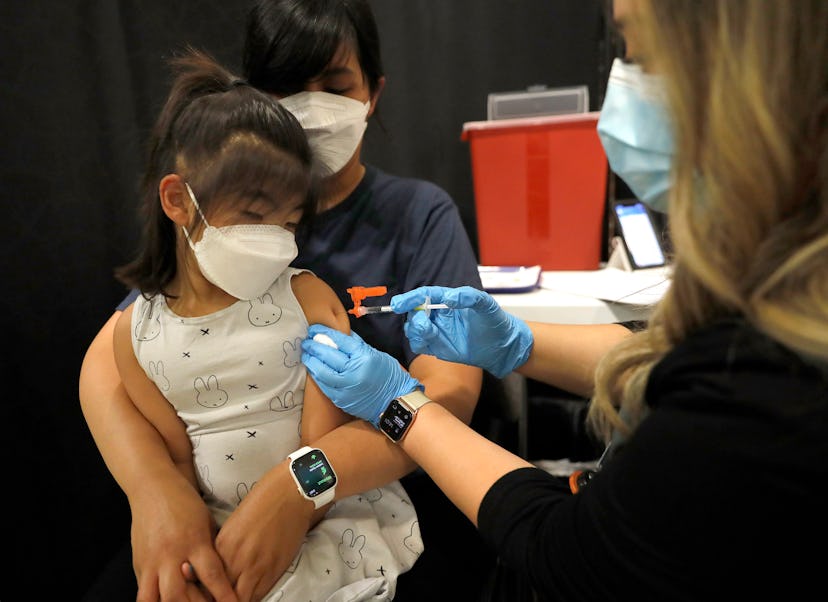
[{"x": 236, "y": 380}]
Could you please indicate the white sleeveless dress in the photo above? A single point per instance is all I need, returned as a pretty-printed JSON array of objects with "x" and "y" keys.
[{"x": 236, "y": 380}]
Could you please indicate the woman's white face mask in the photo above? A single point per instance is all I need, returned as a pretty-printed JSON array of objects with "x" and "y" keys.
[
  {"x": 334, "y": 126},
  {"x": 242, "y": 260}
]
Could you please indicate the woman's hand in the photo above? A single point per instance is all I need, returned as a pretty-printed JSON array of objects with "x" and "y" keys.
[
  {"x": 170, "y": 528},
  {"x": 262, "y": 536},
  {"x": 474, "y": 330},
  {"x": 356, "y": 377}
]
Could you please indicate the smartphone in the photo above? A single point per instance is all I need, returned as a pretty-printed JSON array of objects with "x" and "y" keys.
[{"x": 642, "y": 242}]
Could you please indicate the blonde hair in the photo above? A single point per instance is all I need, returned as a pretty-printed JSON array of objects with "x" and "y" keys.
[{"x": 747, "y": 87}]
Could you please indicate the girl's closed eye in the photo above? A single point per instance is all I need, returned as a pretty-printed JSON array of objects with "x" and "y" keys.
[
  {"x": 254, "y": 216},
  {"x": 258, "y": 211}
]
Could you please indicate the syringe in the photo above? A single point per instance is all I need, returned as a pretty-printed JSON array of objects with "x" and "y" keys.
[
  {"x": 362, "y": 310},
  {"x": 359, "y": 293}
]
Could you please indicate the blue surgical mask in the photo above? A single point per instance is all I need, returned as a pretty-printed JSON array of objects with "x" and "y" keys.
[{"x": 636, "y": 133}]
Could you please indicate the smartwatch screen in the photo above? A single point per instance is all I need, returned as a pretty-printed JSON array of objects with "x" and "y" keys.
[
  {"x": 395, "y": 421},
  {"x": 313, "y": 473}
]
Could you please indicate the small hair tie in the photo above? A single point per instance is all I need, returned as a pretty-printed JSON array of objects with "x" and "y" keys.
[{"x": 236, "y": 83}]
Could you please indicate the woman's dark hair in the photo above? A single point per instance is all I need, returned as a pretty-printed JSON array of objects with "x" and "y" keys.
[
  {"x": 289, "y": 42},
  {"x": 228, "y": 141}
]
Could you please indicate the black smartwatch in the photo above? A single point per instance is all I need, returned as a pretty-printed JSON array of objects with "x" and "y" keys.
[
  {"x": 313, "y": 474},
  {"x": 400, "y": 413}
]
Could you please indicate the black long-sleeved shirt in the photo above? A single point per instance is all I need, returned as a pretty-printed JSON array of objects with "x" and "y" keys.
[{"x": 719, "y": 494}]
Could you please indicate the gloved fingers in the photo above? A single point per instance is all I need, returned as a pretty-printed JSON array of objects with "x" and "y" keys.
[
  {"x": 315, "y": 366},
  {"x": 408, "y": 301},
  {"x": 457, "y": 344},
  {"x": 347, "y": 343},
  {"x": 333, "y": 358},
  {"x": 420, "y": 331},
  {"x": 468, "y": 297},
  {"x": 421, "y": 321},
  {"x": 418, "y": 344},
  {"x": 414, "y": 340},
  {"x": 447, "y": 344},
  {"x": 322, "y": 373}
]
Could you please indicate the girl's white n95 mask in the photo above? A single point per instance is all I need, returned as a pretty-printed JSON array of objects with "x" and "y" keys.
[
  {"x": 243, "y": 260},
  {"x": 334, "y": 126}
]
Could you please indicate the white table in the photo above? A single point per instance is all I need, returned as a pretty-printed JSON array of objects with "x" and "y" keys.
[{"x": 543, "y": 305}]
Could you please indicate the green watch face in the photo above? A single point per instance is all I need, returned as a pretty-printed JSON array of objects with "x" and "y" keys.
[
  {"x": 395, "y": 420},
  {"x": 314, "y": 473}
]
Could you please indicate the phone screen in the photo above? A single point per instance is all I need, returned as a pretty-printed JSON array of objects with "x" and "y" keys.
[{"x": 639, "y": 235}]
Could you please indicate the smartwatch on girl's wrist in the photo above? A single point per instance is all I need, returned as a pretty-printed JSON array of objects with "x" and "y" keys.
[
  {"x": 315, "y": 477},
  {"x": 400, "y": 414}
]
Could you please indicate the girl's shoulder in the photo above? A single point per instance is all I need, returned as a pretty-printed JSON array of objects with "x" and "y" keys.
[{"x": 318, "y": 301}]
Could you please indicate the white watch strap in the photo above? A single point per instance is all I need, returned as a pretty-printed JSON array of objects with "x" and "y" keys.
[
  {"x": 300, "y": 452},
  {"x": 324, "y": 497}
]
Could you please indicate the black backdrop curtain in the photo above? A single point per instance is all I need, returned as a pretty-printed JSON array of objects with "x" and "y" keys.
[{"x": 81, "y": 83}]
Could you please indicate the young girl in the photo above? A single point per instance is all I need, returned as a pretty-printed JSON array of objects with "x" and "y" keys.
[
  {"x": 372, "y": 228},
  {"x": 213, "y": 342}
]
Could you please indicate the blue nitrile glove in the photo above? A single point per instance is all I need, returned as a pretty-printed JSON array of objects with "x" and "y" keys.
[
  {"x": 475, "y": 331},
  {"x": 356, "y": 377}
]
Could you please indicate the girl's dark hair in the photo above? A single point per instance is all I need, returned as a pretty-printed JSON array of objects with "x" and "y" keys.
[
  {"x": 289, "y": 42},
  {"x": 228, "y": 141}
]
